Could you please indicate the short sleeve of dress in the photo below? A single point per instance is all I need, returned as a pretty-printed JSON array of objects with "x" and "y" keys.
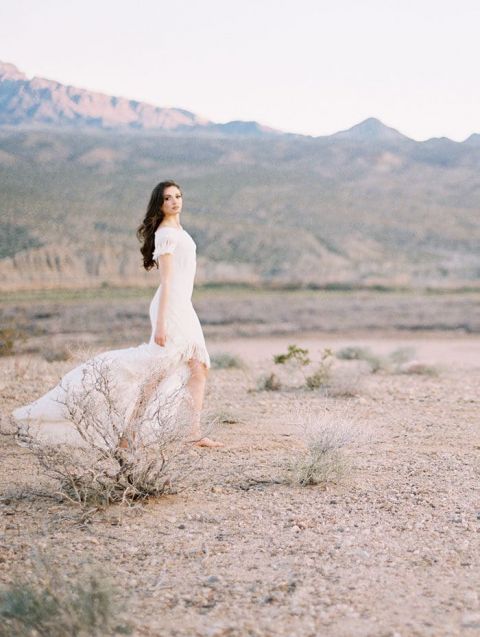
[{"x": 165, "y": 242}]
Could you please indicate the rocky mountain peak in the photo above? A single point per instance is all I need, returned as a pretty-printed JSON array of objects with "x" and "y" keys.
[
  {"x": 371, "y": 129},
  {"x": 10, "y": 72}
]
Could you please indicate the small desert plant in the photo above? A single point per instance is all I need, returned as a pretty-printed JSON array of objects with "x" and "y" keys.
[
  {"x": 318, "y": 379},
  {"x": 294, "y": 360},
  {"x": 401, "y": 355},
  {"x": 9, "y": 335},
  {"x": 49, "y": 603},
  {"x": 55, "y": 355},
  {"x": 270, "y": 382},
  {"x": 101, "y": 460},
  {"x": 416, "y": 367},
  {"x": 324, "y": 434},
  {"x": 294, "y": 354},
  {"x": 354, "y": 353},
  {"x": 224, "y": 360},
  {"x": 322, "y": 374}
]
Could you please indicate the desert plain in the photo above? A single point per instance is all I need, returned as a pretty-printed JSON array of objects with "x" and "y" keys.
[{"x": 389, "y": 548}]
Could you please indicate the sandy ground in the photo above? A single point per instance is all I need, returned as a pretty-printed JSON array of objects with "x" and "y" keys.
[{"x": 391, "y": 550}]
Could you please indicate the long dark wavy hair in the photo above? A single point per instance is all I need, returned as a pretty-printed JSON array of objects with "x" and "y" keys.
[{"x": 153, "y": 218}]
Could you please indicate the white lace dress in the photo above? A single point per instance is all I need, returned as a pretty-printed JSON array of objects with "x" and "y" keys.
[{"x": 49, "y": 418}]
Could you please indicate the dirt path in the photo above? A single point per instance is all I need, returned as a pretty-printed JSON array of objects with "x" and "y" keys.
[{"x": 392, "y": 550}]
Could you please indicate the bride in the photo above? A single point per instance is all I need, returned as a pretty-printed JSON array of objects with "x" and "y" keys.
[{"x": 176, "y": 349}]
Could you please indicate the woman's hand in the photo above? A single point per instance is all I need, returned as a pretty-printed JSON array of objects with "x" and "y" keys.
[{"x": 161, "y": 334}]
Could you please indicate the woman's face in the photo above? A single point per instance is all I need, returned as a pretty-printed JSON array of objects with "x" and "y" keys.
[{"x": 172, "y": 201}]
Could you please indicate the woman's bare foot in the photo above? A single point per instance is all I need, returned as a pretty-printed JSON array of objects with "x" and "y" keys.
[{"x": 207, "y": 442}]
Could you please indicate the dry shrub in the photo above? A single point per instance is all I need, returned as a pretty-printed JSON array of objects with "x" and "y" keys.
[
  {"x": 324, "y": 435},
  {"x": 9, "y": 336},
  {"x": 270, "y": 382},
  {"x": 57, "y": 354},
  {"x": 21, "y": 367},
  {"x": 291, "y": 370},
  {"x": 416, "y": 367},
  {"x": 402, "y": 355},
  {"x": 322, "y": 375},
  {"x": 395, "y": 362},
  {"x": 90, "y": 466},
  {"x": 48, "y": 602},
  {"x": 224, "y": 360},
  {"x": 355, "y": 353}
]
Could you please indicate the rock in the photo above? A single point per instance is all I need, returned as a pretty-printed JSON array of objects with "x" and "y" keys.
[
  {"x": 471, "y": 620},
  {"x": 213, "y": 580}
]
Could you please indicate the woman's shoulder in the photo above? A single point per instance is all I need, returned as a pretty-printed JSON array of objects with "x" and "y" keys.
[{"x": 167, "y": 230}]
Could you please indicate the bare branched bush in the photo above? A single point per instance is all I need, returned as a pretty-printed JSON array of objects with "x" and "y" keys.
[
  {"x": 48, "y": 602},
  {"x": 324, "y": 434},
  {"x": 115, "y": 449}
]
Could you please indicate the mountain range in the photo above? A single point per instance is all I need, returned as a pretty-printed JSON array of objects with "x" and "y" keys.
[
  {"x": 43, "y": 102},
  {"x": 365, "y": 206}
]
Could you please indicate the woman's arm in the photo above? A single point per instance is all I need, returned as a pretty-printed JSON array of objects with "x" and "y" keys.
[{"x": 165, "y": 262}]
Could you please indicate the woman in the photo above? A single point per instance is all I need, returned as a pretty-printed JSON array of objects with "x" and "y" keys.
[
  {"x": 172, "y": 314},
  {"x": 176, "y": 352}
]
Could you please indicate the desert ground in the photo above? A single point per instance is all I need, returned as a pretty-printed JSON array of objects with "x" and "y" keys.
[{"x": 389, "y": 548}]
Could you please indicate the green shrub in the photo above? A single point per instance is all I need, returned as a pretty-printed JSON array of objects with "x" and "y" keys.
[
  {"x": 294, "y": 354},
  {"x": 322, "y": 375},
  {"x": 318, "y": 379}
]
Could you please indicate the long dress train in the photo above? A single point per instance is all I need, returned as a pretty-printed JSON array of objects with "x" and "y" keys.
[{"x": 124, "y": 373}]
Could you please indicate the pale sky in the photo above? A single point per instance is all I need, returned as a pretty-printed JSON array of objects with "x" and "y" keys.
[{"x": 304, "y": 66}]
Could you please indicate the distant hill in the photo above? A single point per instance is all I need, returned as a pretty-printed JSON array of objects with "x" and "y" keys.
[
  {"x": 371, "y": 129},
  {"x": 42, "y": 102},
  {"x": 367, "y": 206}
]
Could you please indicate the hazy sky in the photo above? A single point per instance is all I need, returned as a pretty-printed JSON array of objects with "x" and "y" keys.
[{"x": 305, "y": 66}]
